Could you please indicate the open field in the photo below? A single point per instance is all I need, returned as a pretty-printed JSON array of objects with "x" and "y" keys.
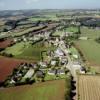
[
  {"x": 44, "y": 18},
  {"x": 88, "y": 87},
  {"x": 69, "y": 29},
  {"x": 58, "y": 33},
  {"x": 6, "y": 67},
  {"x": 90, "y": 48},
  {"x": 72, "y": 29},
  {"x": 28, "y": 51},
  {"x": 51, "y": 90}
]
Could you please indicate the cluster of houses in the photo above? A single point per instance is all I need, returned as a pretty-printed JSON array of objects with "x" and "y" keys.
[{"x": 55, "y": 66}]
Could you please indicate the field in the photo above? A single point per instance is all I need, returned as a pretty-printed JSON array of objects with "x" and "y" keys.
[
  {"x": 58, "y": 33},
  {"x": 6, "y": 43},
  {"x": 14, "y": 34},
  {"x": 44, "y": 18},
  {"x": 28, "y": 51},
  {"x": 90, "y": 48},
  {"x": 51, "y": 90},
  {"x": 7, "y": 65},
  {"x": 72, "y": 29},
  {"x": 69, "y": 29},
  {"x": 88, "y": 87}
]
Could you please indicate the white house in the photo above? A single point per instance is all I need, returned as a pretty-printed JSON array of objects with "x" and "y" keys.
[
  {"x": 43, "y": 64},
  {"x": 51, "y": 72},
  {"x": 53, "y": 63},
  {"x": 29, "y": 74},
  {"x": 59, "y": 52}
]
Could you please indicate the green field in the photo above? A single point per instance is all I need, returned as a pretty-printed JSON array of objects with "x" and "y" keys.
[
  {"x": 58, "y": 33},
  {"x": 90, "y": 48},
  {"x": 52, "y": 90},
  {"x": 15, "y": 34},
  {"x": 28, "y": 51},
  {"x": 72, "y": 29},
  {"x": 46, "y": 17}
]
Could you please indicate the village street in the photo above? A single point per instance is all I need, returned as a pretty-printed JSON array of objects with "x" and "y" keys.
[{"x": 70, "y": 63}]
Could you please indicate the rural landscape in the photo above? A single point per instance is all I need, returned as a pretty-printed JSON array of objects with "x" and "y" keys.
[{"x": 50, "y": 54}]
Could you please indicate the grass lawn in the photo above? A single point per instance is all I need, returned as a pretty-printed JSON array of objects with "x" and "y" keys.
[
  {"x": 51, "y": 90},
  {"x": 90, "y": 48},
  {"x": 49, "y": 77}
]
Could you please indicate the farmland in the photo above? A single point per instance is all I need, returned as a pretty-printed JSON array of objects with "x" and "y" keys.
[
  {"x": 54, "y": 90},
  {"x": 28, "y": 51},
  {"x": 6, "y": 43},
  {"x": 44, "y": 18},
  {"x": 7, "y": 65},
  {"x": 72, "y": 29},
  {"x": 90, "y": 48},
  {"x": 88, "y": 87},
  {"x": 68, "y": 29},
  {"x": 15, "y": 34}
]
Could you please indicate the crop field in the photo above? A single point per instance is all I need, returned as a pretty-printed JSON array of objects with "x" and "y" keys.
[
  {"x": 51, "y": 90},
  {"x": 88, "y": 87},
  {"x": 6, "y": 67},
  {"x": 90, "y": 48},
  {"x": 6, "y": 43},
  {"x": 28, "y": 51}
]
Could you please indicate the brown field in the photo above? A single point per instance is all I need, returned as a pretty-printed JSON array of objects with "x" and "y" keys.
[
  {"x": 7, "y": 65},
  {"x": 88, "y": 87},
  {"x": 6, "y": 43},
  {"x": 51, "y": 90}
]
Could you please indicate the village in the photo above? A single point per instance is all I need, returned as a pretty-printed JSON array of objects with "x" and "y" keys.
[{"x": 55, "y": 64}]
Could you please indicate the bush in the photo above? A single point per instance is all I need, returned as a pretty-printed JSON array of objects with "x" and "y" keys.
[{"x": 68, "y": 88}]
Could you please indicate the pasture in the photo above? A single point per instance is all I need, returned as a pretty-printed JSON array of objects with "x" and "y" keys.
[
  {"x": 25, "y": 50},
  {"x": 88, "y": 87},
  {"x": 51, "y": 90},
  {"x": 90, "y": 48},
  {"x": 72, "y": 29}
]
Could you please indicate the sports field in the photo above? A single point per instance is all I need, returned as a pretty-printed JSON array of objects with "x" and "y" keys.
[
  {"x": 90, "y": 48},
  {"x": 51, "y": 90}
]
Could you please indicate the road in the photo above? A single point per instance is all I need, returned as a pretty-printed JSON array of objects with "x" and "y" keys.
[{"x": 70, "y": 63}]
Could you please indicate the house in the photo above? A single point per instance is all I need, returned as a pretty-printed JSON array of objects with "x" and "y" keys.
[
  {"x": 59, "y": 52},
  {"x": 29, "y": 74},
  {"x": 39, "y": 74},
  {"x": 51, "y": 72},
  {"x": 53, "y": 63},
  {"x": 64, "y": 61},
  {"x": 60, "y": 71},
  {"x": 12, "y": 81},
  {"x": 82, "y": 70},
  {"x": 43, "y": 64},
  {"x": 75, "y": 56}
]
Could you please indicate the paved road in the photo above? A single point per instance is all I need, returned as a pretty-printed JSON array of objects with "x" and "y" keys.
[{"x": 70, "y": 63}]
